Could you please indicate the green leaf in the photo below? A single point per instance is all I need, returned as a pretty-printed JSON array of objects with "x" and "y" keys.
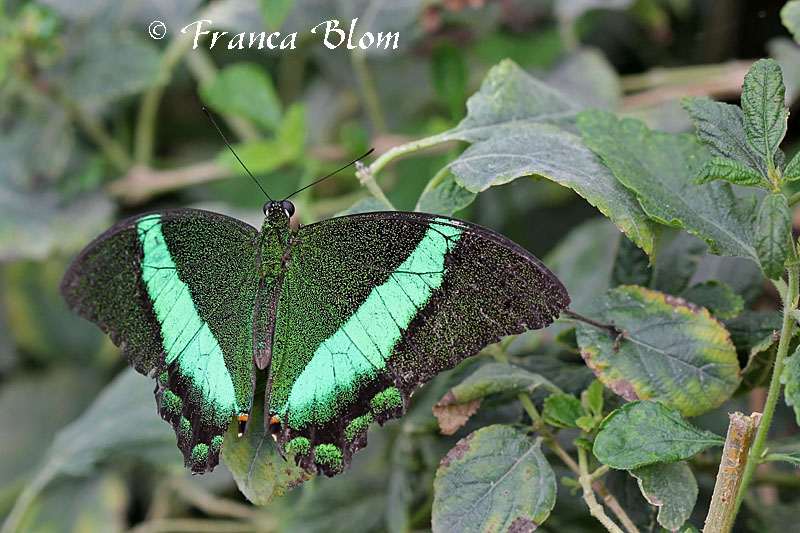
[
  {"x": 718, "y": 298},
  {"x": 365, "y": 205},
  {"x": 790, "y": 17},
  {"x": 643, "y": 433},
  {"x": 672, "y": 488},
  {"x": 631, "y": 266},
  {"x": 567, "y": 340},
  {"x": 721, "y": 168},
  {"x": 274, "y": 12},
  {"x": 790, "y": 378},
  {"x": 765, "y": 114},
  {"x": 680, "y": 255},
  {"x": 562, "y": 410},
  {"x": 660, "y": 169},
  {"x": 463, "y": 400},
  {"x": 687, "y": 362},
  {"x": 245, "y": 90},
  {"x": 446, "y": 198},
  {"x": 587, "y": 76},
  {"x": 720, "y": 127},
  {"x": 495, "y": 479},
  {"x": 774, "y": 231},
  {"x": 594, "y": 397},
  {"x": 754, "y": 333},
  {"x": 792, "y": 170},
  {"x": 255, "y": 462}
]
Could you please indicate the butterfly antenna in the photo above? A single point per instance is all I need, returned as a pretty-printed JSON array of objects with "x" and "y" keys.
[
  {"x": 214, "y": 122},
  {"x": 357, "y": 159}
]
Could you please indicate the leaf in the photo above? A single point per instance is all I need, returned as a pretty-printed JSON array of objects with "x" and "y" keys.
[
  {"x": 774, "y": 231},
  {"x": 790, "y": 17},
  {"x": 255, "y": 462},
  {"x": 446, "y": 198},
  {"x": 660, "y": 169},
  {"x": 365, "y": 205},
  {"x": 274, "y": 12},
  {"x": 754, "y": 333},
  {"x": 790, "y": 378},
  {"x": 672, "y": 488},
  {"x": 594, "y": 397},
  {"x": 718, "y": 298},
  {"x": 245, "y": 90},
  {"x": 544, "y": 150},
  {"x": 587, "y": 77},
  {"x": 562, "y": 410},
  {"x": 721, "y": 168},
  {"x": 495, "y": 479},
  {"x": 680, "y": 255},
  {"x": 463, "y": 400},
  {"x": 643, "y": 433},
  {"x": 792, "y": 170},
  {"x": 631, "y": 266},
  {"x": 671, "y": 351},
  {"x": 765, "y": 114},
  {"x": 720, "y": 127},
  {"x": 112, "y": 70}
]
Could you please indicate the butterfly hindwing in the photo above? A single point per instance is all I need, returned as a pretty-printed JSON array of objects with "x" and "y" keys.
[
  {"x": 176, "y": 290},
  {"x": 373, "y": 305}
]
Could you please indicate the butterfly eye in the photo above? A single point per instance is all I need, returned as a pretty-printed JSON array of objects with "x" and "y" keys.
[
  {"x": 266, "y": 206},
  {"x": 288, "y": 206}
]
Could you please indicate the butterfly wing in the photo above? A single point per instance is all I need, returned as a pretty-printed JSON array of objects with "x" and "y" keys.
[
  {"x": 372, "y": 305},
  {"x": 175, "y": 290}
]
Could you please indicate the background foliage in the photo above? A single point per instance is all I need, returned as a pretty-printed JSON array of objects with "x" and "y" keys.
[{"x": 99, "y": 121}]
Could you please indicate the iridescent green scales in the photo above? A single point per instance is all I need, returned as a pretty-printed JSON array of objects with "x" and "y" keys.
[{"x": 347, "y": 317}]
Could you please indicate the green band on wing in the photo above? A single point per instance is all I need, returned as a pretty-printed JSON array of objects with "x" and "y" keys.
[
  {"x": 359, "y": 349},
  {"x": 187, "y": 338}
]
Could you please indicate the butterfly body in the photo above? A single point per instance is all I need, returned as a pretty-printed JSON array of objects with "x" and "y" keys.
[{"x": 347, "y": 317}]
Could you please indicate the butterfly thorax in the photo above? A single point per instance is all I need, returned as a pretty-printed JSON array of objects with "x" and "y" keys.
[{"x": 275, "y": 235}]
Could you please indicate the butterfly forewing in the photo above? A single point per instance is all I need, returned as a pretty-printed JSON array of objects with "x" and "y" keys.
[
  {"x": 373, "y": 305},
  {"x": 176, "y": 291}
]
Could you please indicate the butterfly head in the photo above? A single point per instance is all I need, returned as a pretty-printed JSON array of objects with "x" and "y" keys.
[{"x": 279, "y": 211}]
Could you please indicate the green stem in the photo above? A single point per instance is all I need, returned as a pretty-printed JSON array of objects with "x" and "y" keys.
[
  {"x": 367, "y": 179},
  {"x": 433, "y": 183},
  {"x": 780, "y": 457},
  {"x": 600, "y": 472},
  {"x": 754, "y": 458},
  {"x": 407, "y": 148},
  {"x": 793, "y": 199}
]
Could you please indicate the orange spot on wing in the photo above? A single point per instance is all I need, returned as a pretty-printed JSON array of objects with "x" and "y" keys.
[
  {"x": 244, "y": 417},
  {"x": 274, "y": 420}
]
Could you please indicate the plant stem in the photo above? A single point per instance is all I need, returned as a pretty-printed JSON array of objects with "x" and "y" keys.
[
  {"x": 413, "y": 146},
  {"x": 754, "y": 458},
  {"x": 366, "y": 176},
  {"x": 595, "y": 509},
  {"x": 433, "y": 183},
  {"x": 793, "y": 199}
]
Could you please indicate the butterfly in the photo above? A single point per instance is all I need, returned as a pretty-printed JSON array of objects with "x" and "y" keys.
[{"x": 347, "y": 316}]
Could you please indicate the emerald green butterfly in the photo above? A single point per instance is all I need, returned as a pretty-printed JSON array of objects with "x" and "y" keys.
[{"x": 348, "y": 316}]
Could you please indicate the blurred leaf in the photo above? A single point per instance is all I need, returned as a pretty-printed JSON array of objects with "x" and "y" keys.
[
  {"x": 688, "y": 362},
  {"x": 631, "y": 266},
  {"x": 743, "y": 275},
  {"x": 754, "y": 333},
  {"x": 721, "y": 168},
  {"x": 365, "y": 205},
  {"x": 587, "y": 77},
  {"x": 765, "y": 114},
  {"x": 95, "y": 504},
  {"x": 718, "y": 298},
  {"x": 461, "y": 402},
  {"x": 494, "y": 479},
  {"x": 112, "y": 70},
  {"x": 450, "y": 77},
  {"x": 121, "y": 423},
  {"x": 790, "y": 17},
  {"x": 720, "y": 127},
  {"x": 792, "y": 170},
  {"x": 672, "y": 488},
  {"x": 538, "y": 49},
  {"x": 660, "y": 168},
  {"x": 274, "y": 12},
  {"x": 678, "y": 259},
  {"x": 244, "y": 89},
  {"x": 774, "y": 227},
  {"x": 567, "y": 340},
  {"x": 562, "y": 410},
  {"x": 790, "y": 378},
  {"x": 255, "y": 462},
  {"x": 787, "y": 54},
  {"x": 569, "y": 10},
  {"x": 643, "y": 433},
  {"x": 446, "y": 198},
  {"x": 624, "y": 487}
]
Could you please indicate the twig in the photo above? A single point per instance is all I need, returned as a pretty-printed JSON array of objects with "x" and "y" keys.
[
  {"x": 595, "y": 509},
  {"x": 213, "y": 505},
  {"x": 143, "y": 182},
  {"x": 612, "y": 330}
]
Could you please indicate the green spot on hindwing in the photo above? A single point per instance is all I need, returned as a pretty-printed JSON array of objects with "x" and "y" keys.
[
  {"x": 216, "y": 444},
  {"x": 163, "y": 378},
  {"x": 199, "y": 454},
  {"x": 171, "y": 403},
  {"x": 386, "y": 400},
  {"x": 299, "y": 445},
  {"x": 357, "y": 426},
  {"x": 358, "y": 351},
  {"x": 185, "y": 429},
  {"x": 328, "y": 454}
]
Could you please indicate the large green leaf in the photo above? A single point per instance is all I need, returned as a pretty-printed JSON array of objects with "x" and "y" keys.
[
  {"x": 495, "y": 479},
  {"x": 765, "y": 114},
  {"x": 721, "y": 128},
  {"x": 246, "y": 90},
  {"x": 773, "y": 236},
  {"x": 461, "y": 402},
  {"x": 672, "y": 488},
  {"x": 687, "y": 362},
  {"x": 643, "y": 433},
  {"x": 660, "y": 168}
]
